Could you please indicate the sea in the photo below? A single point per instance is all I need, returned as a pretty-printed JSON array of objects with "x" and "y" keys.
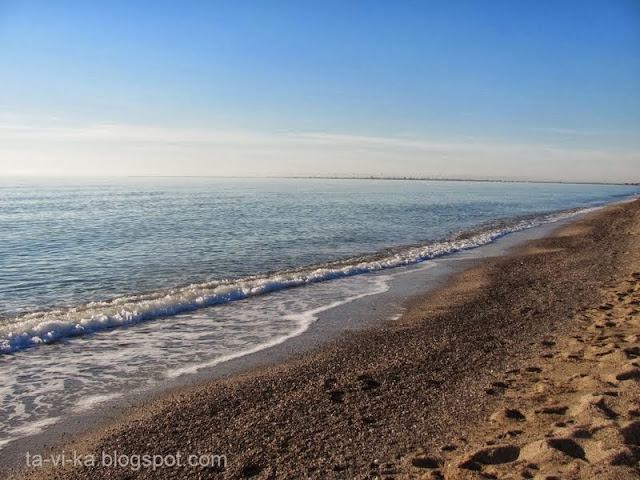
[{"x": 109, "y": 286}]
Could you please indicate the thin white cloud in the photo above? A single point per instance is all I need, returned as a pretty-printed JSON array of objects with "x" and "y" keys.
[
  {"x": 123, "y": 133},
  {"x": 135, "y": 133},
  {"x": 149, "y": 150},
  {"x": 583, "y": 132}
]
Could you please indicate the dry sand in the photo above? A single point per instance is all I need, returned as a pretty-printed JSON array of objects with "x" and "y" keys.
[
  {"x": 572, "y": 411},
  {"x": 523, "y": 367}
]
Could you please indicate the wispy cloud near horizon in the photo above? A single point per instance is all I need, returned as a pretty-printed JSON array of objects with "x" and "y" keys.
[{"x": 119, "y": 149}]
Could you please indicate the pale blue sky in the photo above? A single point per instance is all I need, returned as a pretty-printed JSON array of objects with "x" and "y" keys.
[{"x": 507, "y": 89}]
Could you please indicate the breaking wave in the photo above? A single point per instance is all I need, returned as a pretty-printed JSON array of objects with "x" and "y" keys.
[{"x": 39, "y": 328}]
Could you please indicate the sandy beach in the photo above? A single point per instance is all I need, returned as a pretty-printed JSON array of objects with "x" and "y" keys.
[{"x": 525, "y": 366}]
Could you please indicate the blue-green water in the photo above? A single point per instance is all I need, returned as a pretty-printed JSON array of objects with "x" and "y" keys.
[
  {"x": 131, "y": 281},
  {"x": 66, "y": 244}
]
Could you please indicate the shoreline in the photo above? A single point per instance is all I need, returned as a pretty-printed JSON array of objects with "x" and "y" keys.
[
  {"x": 362, "y": 384},
  {"x": 45, "y": 329},
  {"x": 407, "y": 282}
]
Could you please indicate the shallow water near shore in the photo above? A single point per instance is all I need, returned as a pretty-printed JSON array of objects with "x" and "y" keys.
[
  {"x": 68, "y": 419},
  {"x": 229, "y": 304}
]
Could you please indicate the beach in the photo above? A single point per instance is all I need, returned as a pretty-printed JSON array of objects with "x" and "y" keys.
[
  {"x": 524, "y": 366},
  {"x": 320, "y": 240}
]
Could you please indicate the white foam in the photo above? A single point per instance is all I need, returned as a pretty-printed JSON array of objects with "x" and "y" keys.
[
  {"x": 37, "y": 426},
  {"x": 28, "y": 429},
  {"x": 89, "y": 402},
  {"x": 303, "y": 321}
]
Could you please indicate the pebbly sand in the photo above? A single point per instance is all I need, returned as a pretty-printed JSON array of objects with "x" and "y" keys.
[{"x": 526, "y": 366}]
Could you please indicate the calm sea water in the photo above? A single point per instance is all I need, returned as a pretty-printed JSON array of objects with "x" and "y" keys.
[{"x": 133, "y": 280}]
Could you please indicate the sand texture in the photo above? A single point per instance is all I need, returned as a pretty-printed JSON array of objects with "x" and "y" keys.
[
  {"x": 570, "y": 412},
  {"x": 525, "y": 366}
]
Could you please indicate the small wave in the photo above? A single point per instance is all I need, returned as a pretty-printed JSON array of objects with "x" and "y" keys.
[
  {"x": 302, "y": 322},
  {"x": 45, "y": 327},
  {"x": 30, "y": 428},
  {"x": 86, "y": 403}
]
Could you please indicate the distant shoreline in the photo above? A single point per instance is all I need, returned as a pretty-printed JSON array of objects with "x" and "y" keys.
[
  {"x": 330, "y": 177},
  {"x": 419, "y": 179}
]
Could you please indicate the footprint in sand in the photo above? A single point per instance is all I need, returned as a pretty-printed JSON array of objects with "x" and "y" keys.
[
  {"x": 491, "y": 456},
  {"x": 508, "y": 414},
  {"x": 552, "y": 451},
  {"x": 631, "y": 433},
  {"x": 368, "y": 382},
  {"x": 336, "y": 396},
  {"x": 497, "y": 388},
  {"x": 632, "y": 374},
  {"x": 592, "y": 406},
  {"x": 553, "y": 410},
  {"x": 427, "y": 462}
]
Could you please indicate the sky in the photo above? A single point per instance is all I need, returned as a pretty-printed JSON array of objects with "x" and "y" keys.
[{"x": 514, "y": 89}]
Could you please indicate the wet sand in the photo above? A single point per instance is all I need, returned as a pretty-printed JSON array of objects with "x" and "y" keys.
[{"x": 549, "y": 332}]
